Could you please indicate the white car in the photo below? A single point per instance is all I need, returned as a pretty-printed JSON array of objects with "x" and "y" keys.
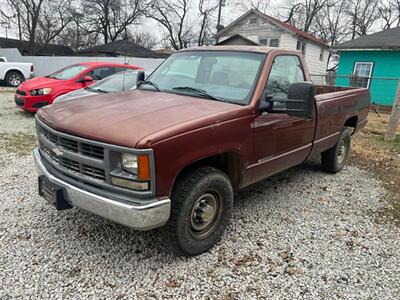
[{"x": 14, "y": 73}]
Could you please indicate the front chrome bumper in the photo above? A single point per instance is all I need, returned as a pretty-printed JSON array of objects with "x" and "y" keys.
[{"x": 151, "y": 214}]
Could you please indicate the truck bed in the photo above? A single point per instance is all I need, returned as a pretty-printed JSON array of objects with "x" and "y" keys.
[{"x": 337, "y": 106}]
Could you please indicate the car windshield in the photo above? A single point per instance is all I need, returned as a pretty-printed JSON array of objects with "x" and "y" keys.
[
  {"x": 68, "y": 72},
  {"x": 216, "y": 75},
  {"x": 121, "y": 81}
]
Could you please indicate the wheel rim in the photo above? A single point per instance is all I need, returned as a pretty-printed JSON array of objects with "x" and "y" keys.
[
  {"x": 205, "y": 214},
  {"x": 15, "y": 80},
  {"x": 342, "y": 151}
]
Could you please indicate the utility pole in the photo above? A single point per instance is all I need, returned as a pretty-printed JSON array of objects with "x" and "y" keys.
[{"x": 221, "y": 3}]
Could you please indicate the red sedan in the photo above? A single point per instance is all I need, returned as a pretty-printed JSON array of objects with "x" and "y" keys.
[{"x": 41, "y": 91}]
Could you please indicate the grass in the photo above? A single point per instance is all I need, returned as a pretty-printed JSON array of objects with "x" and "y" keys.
[
  {"x": 371, "y": 152},
  {"x": 18, "y": 143}
]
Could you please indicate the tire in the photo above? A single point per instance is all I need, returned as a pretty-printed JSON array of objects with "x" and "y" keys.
[
  {"x": 14, "y": 79},
  {"x": 202, "y": 202},
  {"x": 334, "y": 159}
]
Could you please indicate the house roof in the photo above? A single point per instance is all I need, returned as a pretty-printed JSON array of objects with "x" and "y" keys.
[
  {"x": 279, "y": 23},
  {"x": 24, "y": 47},
  {"x": 236, "y": 37},
  {"x": 385, "y": 40},
  {"x": 122, "y": 47}
]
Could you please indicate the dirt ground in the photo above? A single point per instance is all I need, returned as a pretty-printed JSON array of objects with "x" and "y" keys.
[{"x": 371, "y": 152}]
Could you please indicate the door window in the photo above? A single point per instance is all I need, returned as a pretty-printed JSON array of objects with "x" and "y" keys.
[
  {"x": 100, "y": 73},
  {"x": 362, "y": 74},
  {"x": 286, "y": 69}
]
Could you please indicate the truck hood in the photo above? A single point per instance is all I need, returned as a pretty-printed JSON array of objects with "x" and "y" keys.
[{"x": 125, "y": 118}]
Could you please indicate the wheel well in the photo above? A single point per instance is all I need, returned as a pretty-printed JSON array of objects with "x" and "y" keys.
[
  {"x": 351, "y": 122},
  {"x": 229, "y": 163},
  {"x": 16, "y": 71}
]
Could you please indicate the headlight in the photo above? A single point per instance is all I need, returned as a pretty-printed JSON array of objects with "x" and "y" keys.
[
  {"x": 134, "y": 172},
  {"x": 129, "y": 162},
  {"x": 136, "y": 164},
  {"x": 39, "y": 92}
]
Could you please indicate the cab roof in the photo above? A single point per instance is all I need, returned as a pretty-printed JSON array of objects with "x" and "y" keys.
[{"x": 238, "y": 48}]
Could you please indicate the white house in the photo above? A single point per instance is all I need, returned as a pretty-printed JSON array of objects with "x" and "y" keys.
[{"x": 257, "y": 28}]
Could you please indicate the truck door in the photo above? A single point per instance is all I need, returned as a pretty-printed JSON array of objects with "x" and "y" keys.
[{"x": 281, "y": 141}]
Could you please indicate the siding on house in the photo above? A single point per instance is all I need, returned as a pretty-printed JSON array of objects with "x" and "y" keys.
[
  {"x": 264, "y": 29},
  {"x": 386, "y": 64},
  {"x": 255, "y": 32}
]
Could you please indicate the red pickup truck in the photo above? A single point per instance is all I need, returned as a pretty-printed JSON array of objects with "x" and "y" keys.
[{"x": 209, "y": 121}]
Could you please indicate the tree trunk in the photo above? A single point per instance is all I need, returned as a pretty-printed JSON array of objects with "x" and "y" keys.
[{"x": 394, "y": 117}]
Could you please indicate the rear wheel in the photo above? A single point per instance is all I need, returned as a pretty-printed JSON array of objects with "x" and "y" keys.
[
  {"x": 202, "y": 202},
  {"x": 334, "y": 159},
  {"x": 14, "y": 79}
]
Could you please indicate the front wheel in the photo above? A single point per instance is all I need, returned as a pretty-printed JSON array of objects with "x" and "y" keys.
[
  {"x": 14, "y": 79},
  {"x": 334, "y": 159},
  {"x": 202, "y": 202}
]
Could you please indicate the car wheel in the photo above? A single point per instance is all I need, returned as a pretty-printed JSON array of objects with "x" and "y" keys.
[
  {"x": 334, "y": 159},
  {"x": 202, "y": 202},
  {"x": 14, "y": 79}
]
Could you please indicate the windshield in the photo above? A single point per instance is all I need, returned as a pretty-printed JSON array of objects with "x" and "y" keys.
[
  {"x": 217, "y": 75},
  {"x": 68, "y": 72},
  {"x": 121, "y": 81}
]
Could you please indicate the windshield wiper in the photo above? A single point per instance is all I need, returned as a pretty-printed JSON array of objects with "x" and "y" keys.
[
  {"x": 150, "y": 83},
  {"x": 99, "y": 91},
  {"x": 197, "y": 91}
]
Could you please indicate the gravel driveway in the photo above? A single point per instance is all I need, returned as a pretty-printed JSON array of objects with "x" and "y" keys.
[{"x": 301, "y": 234}]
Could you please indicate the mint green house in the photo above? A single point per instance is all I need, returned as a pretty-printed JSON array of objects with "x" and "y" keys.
[{"x": 366, "y": 61}]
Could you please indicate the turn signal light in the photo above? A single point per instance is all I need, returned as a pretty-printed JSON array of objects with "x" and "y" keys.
[{"x": 143, "y": 167}]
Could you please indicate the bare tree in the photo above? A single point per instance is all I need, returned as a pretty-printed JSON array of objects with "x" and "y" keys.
[
  {"x": 246, "y": 5},
  {"x": 40, "y": 21},
  {"x": 77, "y": 33},
  {"x": 173, "y": 17},
  {"x": 303, "y": 13},
  {"x": 206, "y": 9},
  {"x": 363, "y": 15},
  {"x": 389, "y": 14},
  {"x": 111, "y": 18},
  {"x": 53, "y": 20},
  {"x": 332, "y": 27}
]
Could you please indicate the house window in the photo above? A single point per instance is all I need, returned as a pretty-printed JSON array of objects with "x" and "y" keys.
[
  {"x": 274, "y": 42},
  {"x": 301, "y": 46},
  {"x": 362, "y": 74},
  {"x": 321, "y": 55},
  {"x": 264, "y": 42},
  {"x": 253, "y": 21}
]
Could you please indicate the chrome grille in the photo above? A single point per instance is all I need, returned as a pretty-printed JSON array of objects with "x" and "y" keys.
[
  {"x": 74, "y": 157},
  {"x": 92, "y": 150},
  {"x": 69, "y": 144}
]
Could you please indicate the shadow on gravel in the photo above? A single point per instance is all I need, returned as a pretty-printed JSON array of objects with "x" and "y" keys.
[{"x": 88, "y": 231}]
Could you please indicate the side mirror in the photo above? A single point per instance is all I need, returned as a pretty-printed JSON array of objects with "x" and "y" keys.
[
  {"x": 140, "y": 78},
  {"x": 86, "y": 78},
  {"x": 301, "y": 99}
]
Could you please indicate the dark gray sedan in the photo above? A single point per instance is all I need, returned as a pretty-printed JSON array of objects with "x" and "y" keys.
[{"x": 118, "y": 82}]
